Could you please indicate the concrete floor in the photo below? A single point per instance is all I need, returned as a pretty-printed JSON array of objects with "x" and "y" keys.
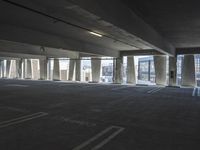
[{"x": 45, "y": 115}]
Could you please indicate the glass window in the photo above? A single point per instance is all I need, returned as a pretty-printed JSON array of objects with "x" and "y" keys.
[
  {"x": 146, "y": 70},
  {"x": 64, "y": 68},
  {"x": 179, "y": 68},
  {"x": 197, "y": 69},
  {"x": 106, "y": 70},
  {"x": 86, "y": 72}
]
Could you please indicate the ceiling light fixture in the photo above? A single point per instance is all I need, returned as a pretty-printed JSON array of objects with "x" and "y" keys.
[
  {"x": 96, "y": 34},
  {"x": 68, "y": 23}
]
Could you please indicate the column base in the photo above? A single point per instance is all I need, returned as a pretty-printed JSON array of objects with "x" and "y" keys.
[
  {"x": 142, "y": 85},
  {"x": 117, "y": 83},
  {"x": 56, "y": 80},
  {"x": 188, "y": 86},
  {"x": 41, "y": 79},
  {"x": 93, "y": 82},
  {"x": 173, "y": 86}
]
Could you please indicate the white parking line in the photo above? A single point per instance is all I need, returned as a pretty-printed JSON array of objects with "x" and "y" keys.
[
  {"x": 98, "y": 146},
  {"x": 107, "y": 139},
  {"x": 151, "y": 90},
  {"x": 119, "y": 88},
  {"x": 22, "y": 119},
  {"x": 157, "y": 90},
  {"x": 154, "y": 90},
  {"x": 78, "y": 122},
  {"x": 194, "y": 92},
  {"x": 91, "y": 86},
  {"x": 16, "y": 85},
  {"x": 198, "y": 94}
]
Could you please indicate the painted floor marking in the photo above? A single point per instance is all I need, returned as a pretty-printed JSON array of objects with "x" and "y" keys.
[
  {"x": 106, "y": 140},
  {"x": 196, "y": 92},
  {"x": 154, "y": 90},
  {"x": 22, "y": 119},
  {"x": 157, "y": 90},
  {"x": 14, "y": 109},
  {"x": 78, "y": 122},
  {"x": 91, "y": 86},
  {"x": 17, "y": 85},
  {"x": 151, "y": 90},
  {"x": 119, "y": 88}
]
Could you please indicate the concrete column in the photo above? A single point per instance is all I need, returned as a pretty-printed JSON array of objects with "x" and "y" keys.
[
  {"x": 3, "y": 69},
  {"x": 71, "y": 69},
  {"x": 96, "y": 67},
  {"x": 18, "y": 68},
  {"x": 188, "y": 71},
  {"x": 172, "y": 71},
  {"x": 28, "y": 69},
  {"x": 117, "y": 70},
  {"x": 23, "y": 68},
  {"x": 43, "y": 69},
  {"x": 56, "y": 70},
  {"x": 131, "y": 70},
  {"x": 160, "y": 63},
  {"x": 48, "y": 69},
  {"x": 0, "y": 68},
  {"x": 78, "y": 70},
  {"x": 8, "y": 64}
]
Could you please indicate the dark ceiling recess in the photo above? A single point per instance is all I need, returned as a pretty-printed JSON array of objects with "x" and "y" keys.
[
  {"x": 178, "y": 20},
  {"x": 66, "y": 22}
]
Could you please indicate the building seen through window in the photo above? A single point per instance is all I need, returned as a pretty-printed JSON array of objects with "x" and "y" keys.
[{"x": 146, "y": 70}]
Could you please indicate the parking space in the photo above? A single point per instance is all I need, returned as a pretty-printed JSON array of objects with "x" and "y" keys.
[
  {"x": 76, "y": 116},
  {"x": 49, "y": 132}
]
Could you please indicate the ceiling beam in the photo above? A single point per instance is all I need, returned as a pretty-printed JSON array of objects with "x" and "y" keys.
[
  {"x": 15, "y": 56},
  {"x": 28, "y": 50},
  {"x": 33, "y": 37},
  {"x": 118, "y": 14},
  {"x": 190, "y": 50},
  {"x": 140, "y": 52}
]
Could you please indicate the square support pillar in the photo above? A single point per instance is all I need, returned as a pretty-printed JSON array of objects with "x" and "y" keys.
[
  {"x": 3, "y": 69},
  {"x": 28, "y": 69},
  {"x": 49, "y": 74},
  {"x": 78, "y": 70},
  {"x": 72, "y": 63},
  {"x": 43, "y": 69},
  {"x": 96, "y": 67},
  {"x": 172, "y": 71},
  {"x": 0, "y": 68},
  {"x": 23, "y": 72},
  {"x": 8, "y": 64},
  {"x": 160, "y": 63},
  {"x": 117, "y": 70},
  {"x": 188, "y": 71},
  {"x": 18, "y": 68},
  {"x": 56, "y": 70},
  {"x": 131, "y": 70}
]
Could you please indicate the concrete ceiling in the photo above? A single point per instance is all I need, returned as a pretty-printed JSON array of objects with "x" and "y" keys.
[
  {"x": 66, "y": 24},
  {"x": 178, "y": 21},
  {"x": 114, "y": 39}
]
